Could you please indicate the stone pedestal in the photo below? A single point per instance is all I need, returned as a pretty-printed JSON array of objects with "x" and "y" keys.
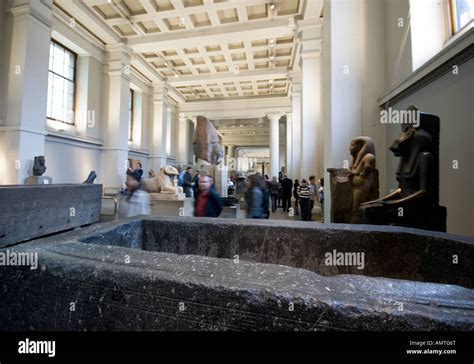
[
  {"x": 179, "y": 196},
  {"x": 39, "y": 180},
  {"x": 170, "y": 207},
  {"x": 231, "y": 212}
]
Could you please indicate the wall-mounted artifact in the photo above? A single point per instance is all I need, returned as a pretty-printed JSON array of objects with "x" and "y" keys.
[
  {"x": 359, "y": 184},
  {"x": 415, "y": 202}
]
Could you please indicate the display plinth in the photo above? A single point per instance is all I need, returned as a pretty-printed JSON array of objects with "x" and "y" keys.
[
  {"x": 161, "y": 206},
  {"x": 38, "y": 180}
]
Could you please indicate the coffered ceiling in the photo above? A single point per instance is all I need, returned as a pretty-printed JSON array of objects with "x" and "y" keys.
[{"x": 205, "y": 49}]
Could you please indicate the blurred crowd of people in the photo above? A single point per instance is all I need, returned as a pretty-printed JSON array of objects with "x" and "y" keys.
[
  {"x": 278, "y": 192},
  {"x": 261, "y": 195}
]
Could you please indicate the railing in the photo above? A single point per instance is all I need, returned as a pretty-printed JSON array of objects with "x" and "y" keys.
[{"x": 110, "y": 193}]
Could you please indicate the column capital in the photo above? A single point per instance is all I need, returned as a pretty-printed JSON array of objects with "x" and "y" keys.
[
  {"x": 39, "y": 10},
  {"x": 118, "y": 52},
  {"x": 274, "y": 116},
  {"x": 118, "y": 59},
  {"x": 310, "y": 37},
  {"x": 296, "y": 82},
  {"x": 160, "y": 92},
  {"x": 295, "y": 76}
]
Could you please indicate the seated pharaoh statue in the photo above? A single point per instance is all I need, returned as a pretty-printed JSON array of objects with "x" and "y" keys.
[
  {"x": 359, "y": 184},
  {"x": 415, "y": 202}
]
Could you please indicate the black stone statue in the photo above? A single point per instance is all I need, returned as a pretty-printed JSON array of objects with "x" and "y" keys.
[
  {"x": 415, "y": 202},
  {"x": 39, "y": 166},
  {"x": 90, "y": 179}
]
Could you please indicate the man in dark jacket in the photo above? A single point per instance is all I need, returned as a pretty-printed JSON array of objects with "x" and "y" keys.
[
  {"x": 208, "y": 203},
  {"x": 188, "y": 182},
  {"x": 287, "y": 187}
]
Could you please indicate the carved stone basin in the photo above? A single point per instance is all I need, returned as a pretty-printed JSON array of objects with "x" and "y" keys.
[{"x": 227, "y": 274}]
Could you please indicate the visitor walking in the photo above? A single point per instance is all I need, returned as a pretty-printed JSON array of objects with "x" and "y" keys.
[
  {"x": 266, "y": 195},
  {"x": 321, "y": 197},
  {"x": 287, "y": 186},
  {"x": 195, "y": 183},
  {"x": 139, "y": 169},
  {"x": 134, "y": 201},
  {"x": 304, "y": 193},
  {"x": 295, "y": 194},
  {"x": 207, "y": 203},
  {"x": 254, "y": 198},
  {"x": 314, "y": 195},
  {"x": 274, "y": 193},
  {"x": 180, "y": 176},
  {"x": 280, "y": 189},
  {"x": 188, "y": 182}
]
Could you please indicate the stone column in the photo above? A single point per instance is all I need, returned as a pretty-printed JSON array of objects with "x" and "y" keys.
[
  {"x": 311, "y": 158},
  {"x": 114, "y": 156},
  {"x": 282, "y": 147},
  {"x": 231, "y": 156},
  {"x": 353, "y": 76},
  {"x": 159, "y": 126},
  {"x": 27, "y": 85},
  {"x": 231, "y": 151},
  {"x": 274, "y": 143},
  {"x": 183, "y": 138},
  {"x": 295, "y": 125},
  {"x": 194, "y": 122},
  {"x": 289, "y": 145}
]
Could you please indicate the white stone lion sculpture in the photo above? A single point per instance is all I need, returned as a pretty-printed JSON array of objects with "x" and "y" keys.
[{"x": 165, "y": 182}]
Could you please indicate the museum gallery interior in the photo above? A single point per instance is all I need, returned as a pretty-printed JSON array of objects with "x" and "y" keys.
[{"x": 236, "y": 165}]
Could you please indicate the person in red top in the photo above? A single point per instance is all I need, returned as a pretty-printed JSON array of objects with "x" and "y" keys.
[{"x": 208, "y": 203}]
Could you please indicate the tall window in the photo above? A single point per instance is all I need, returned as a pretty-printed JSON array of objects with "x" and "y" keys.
[
  {"x": 61, "y": 83},
  {"x": 462, "y": 12},
  {"x": 130, "y": 116}
]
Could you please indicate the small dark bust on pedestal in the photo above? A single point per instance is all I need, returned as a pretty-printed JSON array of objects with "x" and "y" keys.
[
  {"x": 415, "y": 202},
  {"x": 39, "y": 168},
  {"x": 351, "y": 187}
]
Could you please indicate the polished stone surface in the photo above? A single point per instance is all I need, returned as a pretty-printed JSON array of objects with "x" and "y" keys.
[{"x": 169, "y": 274}]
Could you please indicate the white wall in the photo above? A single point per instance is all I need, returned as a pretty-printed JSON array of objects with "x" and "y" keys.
[
  {"x": 69, "y": 161},
  {"x": 398, "y": 45},
  {"x": 450, "y": 98}
]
